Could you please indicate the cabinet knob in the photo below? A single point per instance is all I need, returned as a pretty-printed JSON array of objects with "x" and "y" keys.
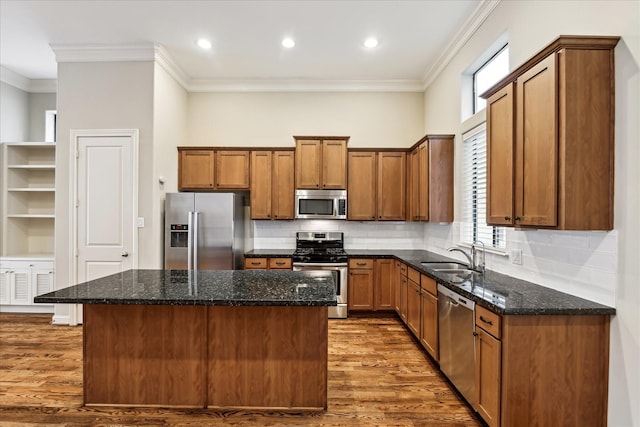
[
  {"x": 125, "y": 254},
  {"x": 517, "y": 218},
  {"x": 507, "y": 218}
]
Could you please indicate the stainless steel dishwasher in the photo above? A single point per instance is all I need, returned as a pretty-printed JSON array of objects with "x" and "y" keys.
[{"x": 457, "y": 341}]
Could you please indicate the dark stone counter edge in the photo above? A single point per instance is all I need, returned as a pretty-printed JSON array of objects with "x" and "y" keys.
[
  {"x": 220, "y": 303},
  {"x": 430, "y": 256}
]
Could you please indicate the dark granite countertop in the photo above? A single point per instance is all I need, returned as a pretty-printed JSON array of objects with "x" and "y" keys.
[
  {"x": 497, "y": 292},
  {"x": 204, "y": 287}
]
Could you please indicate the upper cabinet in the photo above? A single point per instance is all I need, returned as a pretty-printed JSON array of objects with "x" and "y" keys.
[
  {"x": 272, "y": 186},
  {"x": 362, "y": 186},
  {"x": 430, "y": 179},
  {"x": 321, "y": 162},
  {"x": 201, "y": 168},
  {"x": 391, "y": 185},
  {"x": 550, "y": 138}
]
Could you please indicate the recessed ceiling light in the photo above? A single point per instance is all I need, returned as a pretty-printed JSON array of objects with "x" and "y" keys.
[
  {"x": 371, "y": 42},
  {"x": 288, "y": 43},
  {"x": 204, "y": 44}
]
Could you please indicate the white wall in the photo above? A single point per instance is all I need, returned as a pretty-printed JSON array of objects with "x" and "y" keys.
[
  {"x": 103, "y": 95},
  {"x": 271, "y": 119},
  {"x": 14, "y": 114},
  {"x": 170, "y": 106},
  {"x": 39, "y": 103},
  {"x": 600, "y": 266}
]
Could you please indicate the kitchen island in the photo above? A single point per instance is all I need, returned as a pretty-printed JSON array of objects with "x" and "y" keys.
[{"x": 214, "y": 339}]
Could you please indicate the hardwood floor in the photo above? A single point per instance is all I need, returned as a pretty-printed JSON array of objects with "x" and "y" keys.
[{"x": 378, "y": 376}]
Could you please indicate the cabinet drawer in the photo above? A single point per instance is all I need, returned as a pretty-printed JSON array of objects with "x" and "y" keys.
[
  {"x": 413, "y": 275},
  {"x": 256, "y": 263},
  {"x": 361, "y": 263},
  {"x": 488, "y": 321},
  {"x": 280, "y": 263},
  {"x": 403, "y": 267},
  {"x": 428, "y": 284}
]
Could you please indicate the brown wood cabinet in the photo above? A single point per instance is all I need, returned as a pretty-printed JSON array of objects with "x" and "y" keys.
[
  {"x": 430, "y": 179},
  {"x": 383, "y": 292},
  {"x": 558, "y": 128},
  {"x": 401, "y": 286},
  {"x": 272, "y": 184},
  {"x": 195, "y": 169},
  {"x": 209, "y": 169},
  {"x": 273, "y": 263},
  {"x": 321, "y": 162},
  {"x": 360, "y": 284},
  {"x": 361, "y": 186},
  {"x": 232, "y": 170},
  {"x": 414, "y": 308},
  {"x": 391, "y": 186},
  {"x": 488, "y": 364},
  {"x": 376, "y": 185},
  {"x": 429, "y": 315}
]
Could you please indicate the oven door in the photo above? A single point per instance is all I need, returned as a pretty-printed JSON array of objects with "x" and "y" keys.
[{"x": 340, "y": 280}]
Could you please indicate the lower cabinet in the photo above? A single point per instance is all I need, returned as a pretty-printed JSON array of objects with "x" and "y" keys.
[
  {"x": 414, "y": 310},
  {"x": 429, "y": 318},
  {"x": 22, "y": 280},
  {"x": 488, "y": 363},
  {"x": 401, "y": 289},
  {"x": 268, "y": 263},
  {"x": 371, "y": 284}
]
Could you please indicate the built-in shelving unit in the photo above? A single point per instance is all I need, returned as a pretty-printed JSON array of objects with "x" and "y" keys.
[{"x": 28, "y": 199}]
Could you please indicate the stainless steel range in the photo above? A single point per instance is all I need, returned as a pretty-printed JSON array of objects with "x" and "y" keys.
[{"x": 324, "y": 251}]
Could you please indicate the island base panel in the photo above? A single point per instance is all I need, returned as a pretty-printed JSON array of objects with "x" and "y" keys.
[
  {"x": 146, "y": 355},
  {"x": 268, "y": 357}
]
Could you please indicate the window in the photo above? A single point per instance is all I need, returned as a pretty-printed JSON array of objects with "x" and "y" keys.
[
  {"x": 489, "y": 74},
  {"x": 474, "y": 186}
]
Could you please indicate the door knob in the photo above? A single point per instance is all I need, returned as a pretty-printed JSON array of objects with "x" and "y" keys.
[{"x": 125, "y": 254}]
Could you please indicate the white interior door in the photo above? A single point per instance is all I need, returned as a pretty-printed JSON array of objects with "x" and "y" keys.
[{"x": 106, "y": 193}]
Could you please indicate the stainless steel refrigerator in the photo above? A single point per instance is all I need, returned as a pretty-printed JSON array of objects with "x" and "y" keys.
[{"x": 204, "y": 231}]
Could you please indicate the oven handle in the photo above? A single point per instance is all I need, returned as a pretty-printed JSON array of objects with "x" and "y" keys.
[{"x": 319, "y": 264}]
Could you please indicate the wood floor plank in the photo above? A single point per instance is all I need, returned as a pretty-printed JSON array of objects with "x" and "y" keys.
[{"x": 378, "y": 376}]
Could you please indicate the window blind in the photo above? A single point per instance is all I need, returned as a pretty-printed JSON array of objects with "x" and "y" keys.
[{"x": 474, "y": 187}]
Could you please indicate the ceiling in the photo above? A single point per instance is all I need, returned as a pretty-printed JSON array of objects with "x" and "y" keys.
[{"x": 246, "y": 36}]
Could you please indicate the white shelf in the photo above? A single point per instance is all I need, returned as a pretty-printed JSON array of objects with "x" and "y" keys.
[
  {"x": 33, "y": 189},
  {"x": 46, "y": 216},
  {"x": 52, "y": 167}
]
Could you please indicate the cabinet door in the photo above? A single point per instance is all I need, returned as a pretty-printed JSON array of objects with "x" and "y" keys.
[
  {"x": 423, "y": 182},
  {"x": 429, "y": 329},
  {"x": 413, "y": 184},
  {"x": 261, "y": 166},
  {"x": 360, "y": 289},
  {"x": 5, "y": 278},
  {"x": 396, "y": 286},
  {"x": 42, "y": 281},
  {"x": 500, "y": 144},
  {"x": 362, "y": 186},
  {"x": 404, "y": 293},
  {"x": 413, "y": 308},
  {"x": 383, "y": 291},
  {"x": 536, "y": 189},
  {"x": 232, "y": 170},
  {"x": 195, "y": 169},
  {"x": 488, "y": 377},
  {"x": 308, "y": 166},
  {"x": 391, "y": 186},
  {"x": 440, "y": 180},
  {"x": 334, "y": 164},
  {"x": 20, "y": 286},
  {"x": 283, "y": 186}
]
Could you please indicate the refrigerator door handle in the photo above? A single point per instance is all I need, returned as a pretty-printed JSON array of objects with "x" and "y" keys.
[
  {"x": 196, "y": 231},
  {"x": 190, "y": 242}
]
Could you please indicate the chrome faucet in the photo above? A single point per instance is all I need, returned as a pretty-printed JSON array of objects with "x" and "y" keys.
[
  {"x": 465, "y": 254},
  {"x": 475, "y": 263}
]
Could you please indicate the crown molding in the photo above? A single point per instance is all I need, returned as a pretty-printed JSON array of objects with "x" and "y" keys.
[
  {"x": 285, "y": 85},
  {"x": 28, "y": 85},
  {"x": 104, "y": 53},
  {"x": 165, "y": 60},
  {"x": 480, "y": 14}
]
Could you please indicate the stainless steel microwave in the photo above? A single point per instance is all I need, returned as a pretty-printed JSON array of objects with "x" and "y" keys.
[{"x": 321, "y": 204}]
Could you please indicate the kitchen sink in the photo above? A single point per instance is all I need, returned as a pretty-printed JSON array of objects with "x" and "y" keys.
[{"x": 446, "y": 266}]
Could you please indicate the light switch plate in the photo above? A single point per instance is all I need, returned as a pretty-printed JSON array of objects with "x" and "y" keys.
[
  {"x": 516, "y": 256},
  {"x": 140, "y": 222}
]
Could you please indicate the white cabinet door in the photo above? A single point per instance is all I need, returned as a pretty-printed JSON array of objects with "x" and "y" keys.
[
  {"x": 20, "y": 286},
  {"x": 41, "y": 280},
  {"x": 5, "y": 278}
]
